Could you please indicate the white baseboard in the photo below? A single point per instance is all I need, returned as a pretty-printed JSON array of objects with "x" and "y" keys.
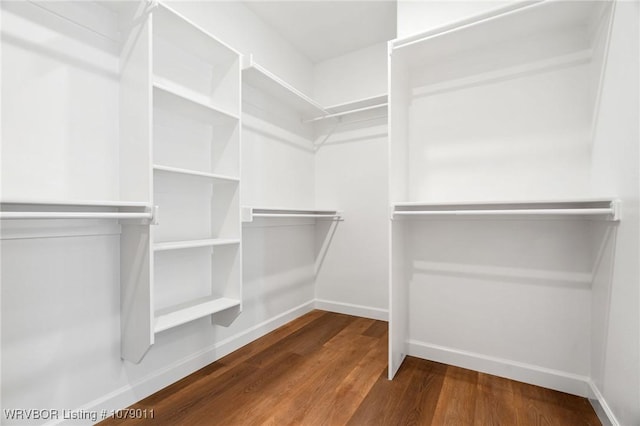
[
  {"x": 600, "y": 406},
  {"x": 134, "y": 392},
  {"x": 528, "y": 373},
  {"x": 351, "y": 309}
]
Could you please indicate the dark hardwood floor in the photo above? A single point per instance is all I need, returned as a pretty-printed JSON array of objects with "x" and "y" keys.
[{"x": 330, "y": 369}]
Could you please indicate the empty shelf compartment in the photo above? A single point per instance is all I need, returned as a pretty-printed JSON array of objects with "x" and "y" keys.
[{"x": 181, "y": 314}]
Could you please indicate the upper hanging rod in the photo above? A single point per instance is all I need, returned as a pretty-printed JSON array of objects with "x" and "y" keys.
[{"x": 340, "y": 114}]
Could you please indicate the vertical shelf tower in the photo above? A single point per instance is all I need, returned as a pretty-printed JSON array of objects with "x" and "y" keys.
[{"x": 194, "y": 254}]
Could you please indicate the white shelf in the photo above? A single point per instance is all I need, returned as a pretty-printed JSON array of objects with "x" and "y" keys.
[
  {"x": 368, "y": 102},
  {"x": 603, "y": 208},
  {"x": 194, "y": 173},
  {"x": 187, "y": 102},
  {"x": 14, "y": 209},
  {"x": 196, "y": 87},
  {"x": 249, "y": 213},
  {"x": 256, "y": 76},
  {"x": 505, "y": 25},
  {"x": 563, "y": 61},
  {"x": 360, "y": 105},
  {"x": 177, "y": 245},
  {"x": 187, "y": 312},
  {"x": 75, "y": 203}
]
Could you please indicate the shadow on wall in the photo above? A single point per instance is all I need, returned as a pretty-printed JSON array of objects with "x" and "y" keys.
[
  {"x": 325, "y": 231},
  {"x": 539, "y": 252},
  {"x": 528, "y": 291},
  {"x": 278, "y": 261}
]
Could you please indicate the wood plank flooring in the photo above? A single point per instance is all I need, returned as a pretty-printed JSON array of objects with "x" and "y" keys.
[{"x": 331, "y": 369}]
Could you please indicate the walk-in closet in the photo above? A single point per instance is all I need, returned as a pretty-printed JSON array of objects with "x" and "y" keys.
[{"x": 320, "y": 212}]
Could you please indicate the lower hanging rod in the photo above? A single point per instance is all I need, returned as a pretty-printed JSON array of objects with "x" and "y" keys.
[{"x": 293, "y": 215}]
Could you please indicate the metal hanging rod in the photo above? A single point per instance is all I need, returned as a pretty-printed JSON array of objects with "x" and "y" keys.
[
  {"x": 294, "y": 215},
  {"x": 340, "y": 114},
  {"x": 74, "y": 215},
  {"x": 587, "y": 211}
]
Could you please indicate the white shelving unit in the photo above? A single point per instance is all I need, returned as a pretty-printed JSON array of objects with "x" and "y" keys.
[
  {"x": 194, "y": 173},
  {"x": 192, "y": 258},
  {"x": 501, "y": 107},
  {"x": 250, "y": 213},
  {"x": 181, "y": 314}
]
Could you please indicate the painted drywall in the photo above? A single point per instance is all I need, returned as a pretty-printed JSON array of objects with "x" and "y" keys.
[
  {"x": 615, "y": 368},
  {"x": 51, "y": 87},
  {"x": 235, "y": 24},
  {"x": 353, "y": 271},
  {"x": 511, "y": 290},
  {"x": 353, "y": 268},
  {"x": 277, "y": 154},
  {"x": 356, "y": 75}
]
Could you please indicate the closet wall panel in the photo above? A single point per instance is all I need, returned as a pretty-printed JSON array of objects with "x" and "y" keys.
[
  {"x": 351, "y": 172},
  {"x": 352, "y": 268},
  {"x": 500, "y": 110},
  {"x": 615, "y": 362}
]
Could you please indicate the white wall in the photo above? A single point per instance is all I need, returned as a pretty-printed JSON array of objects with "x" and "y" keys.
[
  {"x": 277, "y": 154},
  {"x": 235, "y": 24},
  {"x": 356, "y": 75},
  {"x": 50, "y": 78},
  {"x": 616, "y": 292},
  {"x": 351, "y": 174},
  {"x": 510, "y": 292}
]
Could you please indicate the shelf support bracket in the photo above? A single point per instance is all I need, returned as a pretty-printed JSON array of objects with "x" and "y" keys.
[
  {"x": 616, "y": 206},
  {"x": 155, "y": 215}
]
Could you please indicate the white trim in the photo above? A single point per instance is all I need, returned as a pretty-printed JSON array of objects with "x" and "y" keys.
[
  {"x": 528, "y": 373},
  {"x": 352, "y": 309},
  {"x": 134, "y": 392},
  {"x": 600, "y": 406}
]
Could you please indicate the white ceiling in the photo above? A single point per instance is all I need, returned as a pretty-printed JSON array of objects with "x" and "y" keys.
[{"x": 325, "y": 29}]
